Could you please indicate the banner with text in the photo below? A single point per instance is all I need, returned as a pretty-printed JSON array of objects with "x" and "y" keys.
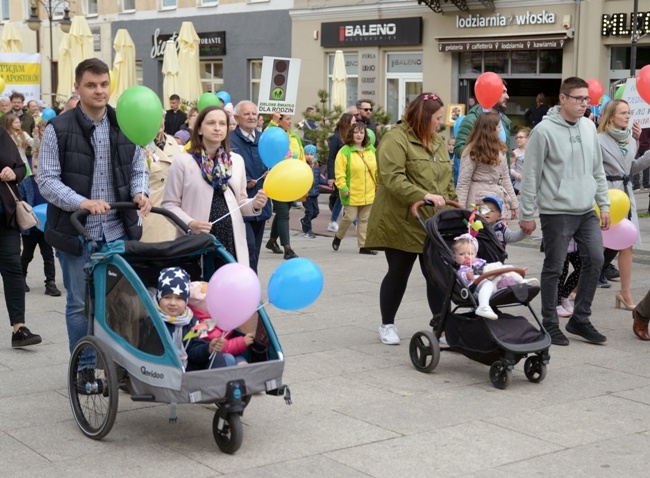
[
  {"x": 279, "y": 85},
  {"x": 640, "y": 109},
  {"x": 21, "y": 72}
]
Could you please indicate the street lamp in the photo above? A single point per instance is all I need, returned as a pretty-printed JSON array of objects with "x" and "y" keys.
[{"x": 34, "y": 24}]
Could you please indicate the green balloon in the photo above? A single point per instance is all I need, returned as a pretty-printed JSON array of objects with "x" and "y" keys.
[
  {"x": 208, "y": 99},
  {"x": 619, "y": 92},
  {"x": 139, "y": 114},
  {"x": 371, "y": 136}
]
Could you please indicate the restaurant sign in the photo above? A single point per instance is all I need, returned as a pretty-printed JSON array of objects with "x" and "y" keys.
[
  {"x": 210, "y": 43},
  {"x": 500, "y": 44}
]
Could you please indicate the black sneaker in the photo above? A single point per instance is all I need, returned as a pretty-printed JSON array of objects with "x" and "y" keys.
[
  {"x": 586, "y": 331},
  {"x": 557, "y": 337},
  {"x": 23, "y": 337},
  {"x": 272, "y": 246},
  {"x": 611, "y": 272},
  {"x": 602, "y": 282},
  {"x": 289, "y": 254},
  {"x": 50, "y": 289},
  {"x": 336, "y": 242}
]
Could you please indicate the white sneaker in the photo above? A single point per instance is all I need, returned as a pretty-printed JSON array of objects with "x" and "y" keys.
[
  {"x": 442, "y": 342},
  {"x": 332, "y": 227},
  {"x": 486, "y": 312},
  {"x": 562, "y": 312},
  {"x": 566, "y": 303},
  {"x": 388, "y": 334}
]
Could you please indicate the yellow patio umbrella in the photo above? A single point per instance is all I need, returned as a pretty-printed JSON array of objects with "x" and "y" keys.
[
  {"x": 189, "y": 87},
  {"x": 64, "y": 69},
  {"x": 124, "y": 64},
  {"x": 11, "y": 39},
  {"x": 170, "y": 72},
  {"x": 339, "y": 77},
  {"x": 81, "y": 42}
]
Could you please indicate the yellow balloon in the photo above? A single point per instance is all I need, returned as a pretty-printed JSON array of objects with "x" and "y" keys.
[
  {"x": 112, "y": 76},
  {"x": 2, "y": 84},
  {"x": 289, "y": 180},
  {"x": 619, "y": 205}
]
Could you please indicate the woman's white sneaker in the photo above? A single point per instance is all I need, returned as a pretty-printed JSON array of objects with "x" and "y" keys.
[{"x": 388, "y": 334}]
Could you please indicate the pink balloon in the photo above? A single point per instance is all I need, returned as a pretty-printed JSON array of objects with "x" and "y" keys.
[
  {"x": 621, "y": 235},
  {"x": 233, "y": 295}
]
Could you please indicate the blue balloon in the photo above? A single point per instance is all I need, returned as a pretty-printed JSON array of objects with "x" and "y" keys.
[
  {"x": 224, "y": 96},
  {"x": 605, "y": 99},
  {"x": 273, "y": 146},
  {"x": 41, "y": 214},
  {"x": 48, "y": 114},
  {"x": 295, "y": 284},
  {"x": 459, "y": 120}
]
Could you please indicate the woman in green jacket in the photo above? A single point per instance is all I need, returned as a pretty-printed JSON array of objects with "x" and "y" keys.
[{"x": 412, "y": 164}]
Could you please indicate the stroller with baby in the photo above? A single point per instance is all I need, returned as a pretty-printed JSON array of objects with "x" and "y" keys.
[
  {"x": 128, "y": 345},
  {"x": 500, "y": 343}
]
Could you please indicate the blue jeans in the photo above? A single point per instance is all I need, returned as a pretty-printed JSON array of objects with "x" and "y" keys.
[
  {"x": 336, "y": 210},
  {"x": 557, "y": 231}
]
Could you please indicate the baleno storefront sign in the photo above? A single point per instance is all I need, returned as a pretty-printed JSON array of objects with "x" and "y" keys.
[
  {"x": 499, "y": 20},
  {"x": 392, "y": 31},
  {"x": 210, "y": 43}
]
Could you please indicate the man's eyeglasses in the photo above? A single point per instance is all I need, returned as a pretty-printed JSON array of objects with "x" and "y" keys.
[
  {"x": 581, "y": 99},
  {"x": 366, "y": 109}
]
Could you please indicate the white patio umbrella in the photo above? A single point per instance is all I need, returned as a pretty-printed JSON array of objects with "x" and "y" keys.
[
  {"x": 65, "y": 71},
  {"x": 124, "y": 64},
  {"x": 170, "y": 72},
  {"x": 81, "y": 42},
  {"x": 11, "y": 41},
  {"x": 339, "y": 77},
  {"x": 188, "y": 61}
]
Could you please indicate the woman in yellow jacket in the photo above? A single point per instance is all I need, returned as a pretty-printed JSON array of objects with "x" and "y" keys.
[
  {"x": 280, "y": 224},
  {"x": 355, "y": 171}
]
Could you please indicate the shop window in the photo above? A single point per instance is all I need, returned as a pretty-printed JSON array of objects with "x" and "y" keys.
[
  {"x": 352, "y": 69},
  {"x": 168, "y": 4},
  {"x": 6, "y": 11},
  {"x": 471, "y": 63},
  {"x": 97, "y": 38},
  {"x": 620, "y": 57},
  {"x": 127, "y": 5},
  {"x": 138, "y": 72},
  {"x": 524, "y": 62},
  {"x": 90, "y": 8},
  {"x": 209, "y": 3},
  {"x": 403, "y": 81},
  {"x": 255, "y": 69},
  {"x": 496, "y": 61},
  {"x": 550, "y": 61},
  {"x": 211, "y": 75}
]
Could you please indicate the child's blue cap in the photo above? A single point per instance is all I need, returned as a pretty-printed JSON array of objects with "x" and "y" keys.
[
  {"x": 494, "y": 200},
  {"x": 311, "y": 149}
]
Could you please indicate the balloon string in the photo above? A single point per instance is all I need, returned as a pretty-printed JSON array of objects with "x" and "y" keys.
[
  {"x": 262, "y": 305},
  {"x": 230, "y": 212}
]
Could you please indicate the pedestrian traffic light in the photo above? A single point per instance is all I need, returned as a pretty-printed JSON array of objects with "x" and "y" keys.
[{"x": 279, "y": 80}]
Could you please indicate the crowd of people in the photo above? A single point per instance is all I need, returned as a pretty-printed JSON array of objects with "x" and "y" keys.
[{"x": 205, "y": 166}]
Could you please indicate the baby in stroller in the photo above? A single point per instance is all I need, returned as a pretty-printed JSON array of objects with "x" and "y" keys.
[
  {"x": 172, "y": 295},
  {"x": 464, "y": 249}
]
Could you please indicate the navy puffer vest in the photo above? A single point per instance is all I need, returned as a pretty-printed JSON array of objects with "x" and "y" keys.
[{"x": 77, "y": 158}]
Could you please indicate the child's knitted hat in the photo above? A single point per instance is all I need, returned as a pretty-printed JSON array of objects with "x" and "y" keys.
[
  {"x": 183, "y": 135},
  {"x": 311, "y": 149},
  {"x": 173, "y": 280}
]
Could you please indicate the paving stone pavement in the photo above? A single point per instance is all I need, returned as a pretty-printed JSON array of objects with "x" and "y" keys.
[{"x": 359, "y": 407}]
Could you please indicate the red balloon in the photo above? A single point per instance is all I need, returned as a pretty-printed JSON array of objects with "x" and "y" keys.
[
  {"x": 595, "y": 91},
  {"x": 488, "y": 89},
  {"x": 643, "y": 83}
]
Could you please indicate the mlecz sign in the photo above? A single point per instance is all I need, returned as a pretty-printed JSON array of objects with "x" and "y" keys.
[
  {"x": 616, "y": 24},
  {"x": 395, "y": 31}
]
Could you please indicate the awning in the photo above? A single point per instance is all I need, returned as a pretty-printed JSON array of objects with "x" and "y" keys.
[{"x": 503, "y": 43}]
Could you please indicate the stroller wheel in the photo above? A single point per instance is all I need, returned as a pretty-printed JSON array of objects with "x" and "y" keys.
[
  {"x": 500, "y": 375},
  {"x": 424, "y": 351},
  {"x": 228, "y": 432},
  {"x": 92, "y": 388},
  {"x": 535, "y": 369}
]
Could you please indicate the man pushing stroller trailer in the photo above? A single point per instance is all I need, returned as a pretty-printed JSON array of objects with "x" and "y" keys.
[
  {"x": 484, "y": 334},
  {"x": 128, "y": 343}
]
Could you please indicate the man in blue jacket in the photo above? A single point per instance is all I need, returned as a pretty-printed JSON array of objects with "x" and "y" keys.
[{"x": 244, "y": 141}]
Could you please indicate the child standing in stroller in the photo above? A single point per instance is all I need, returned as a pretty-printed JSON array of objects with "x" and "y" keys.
[{"x": 465, "y": 248}]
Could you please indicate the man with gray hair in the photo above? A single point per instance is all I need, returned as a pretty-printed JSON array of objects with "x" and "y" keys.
[{"x": 244, "y": 141}]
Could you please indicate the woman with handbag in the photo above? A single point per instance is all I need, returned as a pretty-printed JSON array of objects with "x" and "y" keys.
[
  {"x": 356, "y": 170},
  {"x": 12, "y": 171}
]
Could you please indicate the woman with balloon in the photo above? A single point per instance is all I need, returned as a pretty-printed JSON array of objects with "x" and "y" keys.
[
  {"x": 412, "y": 165},
  {"x": 282, "y": 209},
  {"x": 211, "y": 171},
  {"x": 618, "y": 146}
]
